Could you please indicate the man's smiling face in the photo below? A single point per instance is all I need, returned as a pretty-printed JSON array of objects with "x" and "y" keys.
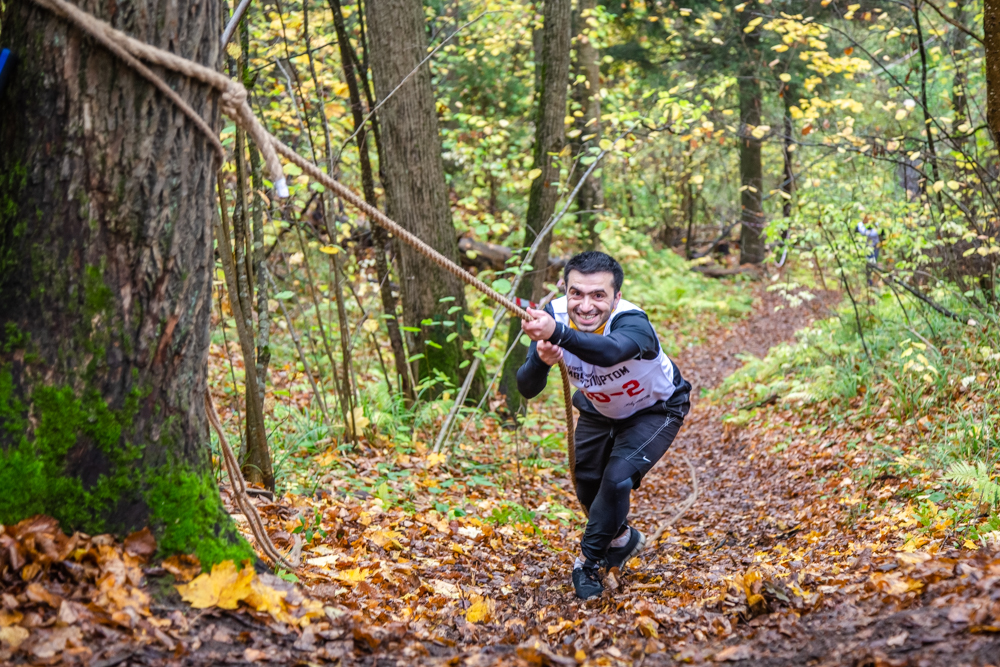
[{"x": 590, "y": 299}]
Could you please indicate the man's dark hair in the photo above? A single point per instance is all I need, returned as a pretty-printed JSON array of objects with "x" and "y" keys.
[{"x": 593, "y": 261}]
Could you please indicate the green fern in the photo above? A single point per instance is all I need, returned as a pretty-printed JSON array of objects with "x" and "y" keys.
[{"x": 976, "y": 476}]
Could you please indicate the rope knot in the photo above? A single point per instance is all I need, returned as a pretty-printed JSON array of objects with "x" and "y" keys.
[{"x": 234, "y": 96}]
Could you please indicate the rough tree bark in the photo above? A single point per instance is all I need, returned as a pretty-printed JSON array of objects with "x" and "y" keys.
[
  {"x": 587, "y": 92},
  {"x": 416, "y": 192},
  {"x": 550, "y": 135},
  {"x": 751, "y": 171},
  {"x": 106, "y": 209},
  {"x": 380, "y": 238}
]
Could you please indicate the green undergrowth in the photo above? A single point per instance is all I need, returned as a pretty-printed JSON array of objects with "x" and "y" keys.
[{"x": 918, "y": 394}]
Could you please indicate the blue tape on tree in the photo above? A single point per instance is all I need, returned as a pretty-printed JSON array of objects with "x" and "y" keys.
[{"x": 7, "y": 59}]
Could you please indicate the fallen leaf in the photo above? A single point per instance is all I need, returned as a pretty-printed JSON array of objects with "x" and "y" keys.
[
  {"x": 734, "y": 653},
  {"x": 481, "y": 611},
  {"x": 647, "y": 626},
  {"x": 13, "y": 636},
  {"x": 141, "y": 544},
  {"x": 183, "y": 567},
  {"x": 897, "y": 640}
]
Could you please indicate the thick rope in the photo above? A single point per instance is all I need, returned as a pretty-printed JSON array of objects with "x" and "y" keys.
[
  {"x": 233, "y": 99},
  {"x": 234, "y": 104},
  {"x": 240, "y": 490}
]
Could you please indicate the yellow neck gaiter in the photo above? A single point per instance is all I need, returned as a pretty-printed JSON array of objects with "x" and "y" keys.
[{"x": 599, "y": 330}]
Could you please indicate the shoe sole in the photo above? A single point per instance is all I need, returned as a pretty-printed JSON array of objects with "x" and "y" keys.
[{"x": 639, "y": 546}]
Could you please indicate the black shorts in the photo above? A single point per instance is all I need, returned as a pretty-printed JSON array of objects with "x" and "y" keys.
[{"x": 641, "y": 439}]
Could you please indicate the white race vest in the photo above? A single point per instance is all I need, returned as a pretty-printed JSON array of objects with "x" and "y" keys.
[{"x": 621, "y": 390}]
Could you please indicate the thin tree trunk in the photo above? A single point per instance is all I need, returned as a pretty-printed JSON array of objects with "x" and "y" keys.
[
  {"x": 250, "y": 273},
  {"x": 106, "y": 265},
  {"x": 751, "y": 170},
  {"x": 379, "y": 236},
  {"x": 959, "y": 102},
  {"x": 416, "y": 191},
  {"x": 991, "y": 38},
  {"x": 788, "y": 179},
  {"x": 587, "y": 93},
  {"x": 924, "y": 99},
  {"x": 550, "y": 133}
]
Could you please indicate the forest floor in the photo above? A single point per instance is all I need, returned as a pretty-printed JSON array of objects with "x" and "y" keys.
[{"x": 464, "y": 560}]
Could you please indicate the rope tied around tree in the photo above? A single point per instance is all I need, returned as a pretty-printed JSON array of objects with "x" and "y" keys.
[{"x": 233, "y": 103}]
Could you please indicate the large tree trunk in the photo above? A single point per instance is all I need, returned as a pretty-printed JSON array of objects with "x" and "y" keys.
[
  {"x": 106, "y": 208},
  {"x": 588, "y": 93},
  {"x": 416, "y": 192},
  {"x": 751, "y": 171},
  {"x": 380, "y": 239},
  {"x": 550, "y": 134}
]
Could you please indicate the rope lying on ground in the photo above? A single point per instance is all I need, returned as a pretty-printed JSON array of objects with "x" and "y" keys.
[
  {"x": 240, "y": 490},
  {"x": 233, "y": 102}
]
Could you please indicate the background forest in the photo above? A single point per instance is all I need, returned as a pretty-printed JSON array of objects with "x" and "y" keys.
[{"x": 719, "y": 134}]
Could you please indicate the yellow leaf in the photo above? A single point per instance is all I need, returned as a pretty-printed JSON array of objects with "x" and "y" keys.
[
  {"x": 13, "y": 636},
  {"x": 697, "y": 179},
  {"x": 264, "y": 598},
  {"x": 753, "y": 24},
  {"x": 534, "y": 173},
  {"x": 224, "y": 587},
  {"x": 481, "y": 611},
  {"x": 969, "y": 544},
  {"x": 356, "y": 419},
  {"x": 901, "y": 114},
  {"x": 939, "y": 186},
  {"x": 954, "y": 185},
  {"x": 780, "y": 48},
  {"x": 387, "y": 539},
  {"x": 239, "y": 589},
  {"x": 785, "y": 76},
  {"x": 434, "y": 458},
  {"x": 329, "y": 249},
  {"x": 353, "y": 576},
  {"x": 559, "y": 627},
  {"x": 370, "y": 325}
]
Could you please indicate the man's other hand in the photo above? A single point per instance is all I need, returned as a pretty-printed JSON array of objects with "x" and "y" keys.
[
  {"x": 549, "y": 354},
  {"x": 541, "y": 328}
]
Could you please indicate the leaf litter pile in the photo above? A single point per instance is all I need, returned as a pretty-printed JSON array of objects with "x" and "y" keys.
[{"x": 767, "y": 567}]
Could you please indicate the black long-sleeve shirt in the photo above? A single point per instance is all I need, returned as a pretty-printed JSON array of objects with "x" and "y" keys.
[{"x": 631, "y": 337}]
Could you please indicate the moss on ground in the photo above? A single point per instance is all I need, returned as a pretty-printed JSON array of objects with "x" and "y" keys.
[{"x": 74, "y": 462}]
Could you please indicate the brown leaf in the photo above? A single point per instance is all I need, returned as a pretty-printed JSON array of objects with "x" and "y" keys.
[
  {"x": 734, "y": 653},
  {"x": 141, "y": 544},
  {"x": 183, "y": 567},
  {"x": 38, "y": 593}
]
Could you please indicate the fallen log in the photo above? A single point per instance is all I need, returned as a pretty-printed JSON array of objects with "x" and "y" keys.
[
  {"x": 716, "y": 271},
  {"x": 480, "y": 255}
]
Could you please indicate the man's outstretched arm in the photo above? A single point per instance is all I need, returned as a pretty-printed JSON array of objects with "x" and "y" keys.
[{"x": 533, "y": 374}]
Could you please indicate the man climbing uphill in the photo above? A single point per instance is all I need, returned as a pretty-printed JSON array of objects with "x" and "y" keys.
[{"x": 632, "y": 401}]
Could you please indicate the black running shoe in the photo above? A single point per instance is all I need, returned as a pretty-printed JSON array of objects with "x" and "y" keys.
[
  {"x": 618, "y": 556},
  {"x": 587, "y": 582}
]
